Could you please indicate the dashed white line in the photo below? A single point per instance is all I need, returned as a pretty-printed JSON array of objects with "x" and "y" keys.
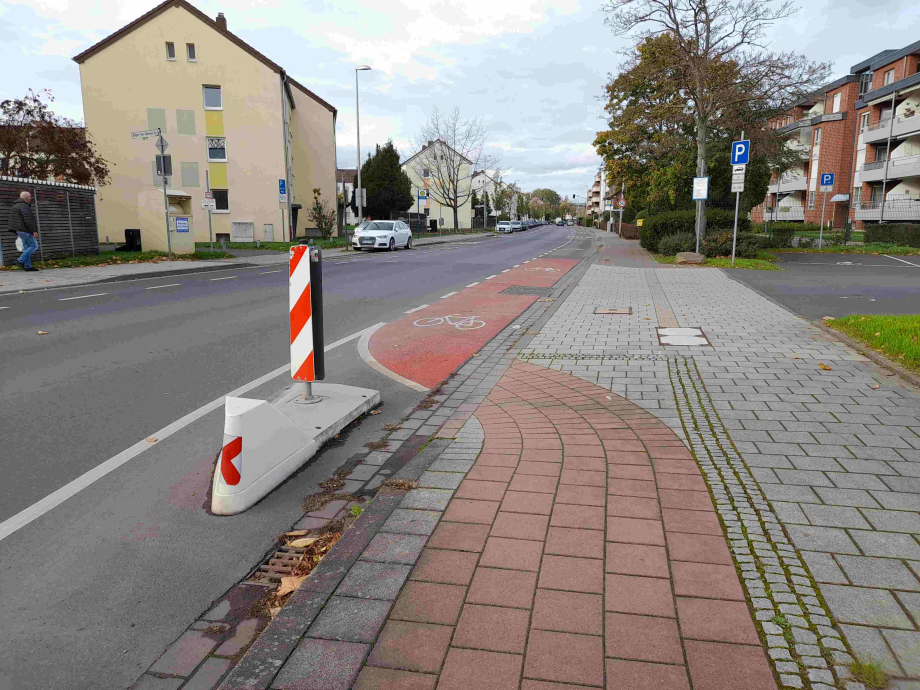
[
  {"x": 517, "y": 265},
  {"x": 96, "y": 294},
  {"x": 449, "y": 294},
  {"x": 492, "y": 276},
  {"x": 157, "y": 287},
  {"x": 412, "y": 311},
  {"x": 265, "y": 273},
  {"x": 506, "y": 270},
  {"x": 902, "y": 260},
  {"x": 2, "y": 308},
  {"x": 472, "y": 284},
  {"x": 224, "y": 278}
]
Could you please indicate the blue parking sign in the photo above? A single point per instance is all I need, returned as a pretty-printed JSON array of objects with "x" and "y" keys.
[
  {"x": 827, "y": 179},
  {"x": 282, "y": 186},
  {"x": 741, "y": 152}
]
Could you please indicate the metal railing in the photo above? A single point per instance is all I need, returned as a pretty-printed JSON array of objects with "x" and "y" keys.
[{"x": 885, "y": 122}]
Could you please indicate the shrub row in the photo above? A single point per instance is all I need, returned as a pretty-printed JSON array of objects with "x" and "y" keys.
[
  {"x": 714, "y": 244},
  {"x": 673, "y": 222},
  {"x": 905, "y": 234}
]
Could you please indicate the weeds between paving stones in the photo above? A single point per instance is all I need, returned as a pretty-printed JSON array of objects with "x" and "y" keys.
[
  {"x": 870, "y": 674},
  {"x": 316, "y": 502},
  {"x": 393, "y": 426},
  {"x": 376, "y": 445},
  {"x": 394, "y": 484}
]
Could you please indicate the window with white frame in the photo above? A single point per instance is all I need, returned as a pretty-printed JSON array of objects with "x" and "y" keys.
[
  {"x": 190, "y": 52},
  {"x": 170, "y": 51},
  {"x": 857, "y": 194},
  {"x": 426, "y": 173},
  {"x": 864, "y": 120},
  {"x": 818, "y": 136},
  {"x": 811, "y": 201},
  {"x": 889, "y": 77},
  {"x": 837, "y": 97},
  {"x": 213, "y": 98},
  {"x": 217, "y": 149}
]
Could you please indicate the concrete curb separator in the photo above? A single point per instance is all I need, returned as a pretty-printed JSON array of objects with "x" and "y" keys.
[{"x": 258, "y": 668}]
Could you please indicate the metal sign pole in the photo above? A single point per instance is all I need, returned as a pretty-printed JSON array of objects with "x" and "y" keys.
[
  {"x": 162, "y": 146},
  {"x": 821, "y": 230},
  {"x": 735, "y": 233}
]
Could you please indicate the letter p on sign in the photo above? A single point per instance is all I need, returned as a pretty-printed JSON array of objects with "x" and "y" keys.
[{"x": 741, "y": 152}]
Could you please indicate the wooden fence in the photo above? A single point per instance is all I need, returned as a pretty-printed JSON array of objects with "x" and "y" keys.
[{"x": 65, "y": 215}]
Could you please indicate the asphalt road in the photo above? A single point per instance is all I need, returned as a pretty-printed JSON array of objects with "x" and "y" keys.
[
  {"x": 95, "y": 589},
  {"x": 818, "y": 285}
]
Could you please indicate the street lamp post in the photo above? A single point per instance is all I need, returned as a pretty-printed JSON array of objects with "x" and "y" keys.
[{"x": 362, "y": 68}]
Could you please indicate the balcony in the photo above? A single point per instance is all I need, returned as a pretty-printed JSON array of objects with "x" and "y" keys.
[
  {"x": 904, "y": 125},
  {"x": 897, "y": 207},
  {"x": 781, "y": 213},
  {"x": 898, "y": 168},
  {"x": 811, "y": 121},
  {"x": 790, "y": 183}
]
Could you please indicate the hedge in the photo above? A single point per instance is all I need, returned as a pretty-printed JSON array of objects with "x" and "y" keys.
[
  {"x": 906, "y": 235},
  {"x": 662, "y": 224},
  {"x": 628, "y": 231}
]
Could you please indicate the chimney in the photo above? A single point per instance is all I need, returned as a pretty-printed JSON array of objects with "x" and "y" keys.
[{"x": 221, "y": 21}]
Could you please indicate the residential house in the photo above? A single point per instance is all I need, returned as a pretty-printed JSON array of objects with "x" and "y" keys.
[
  {"x": 445, "y": 173},
  {"x": 235, "y": 122}
]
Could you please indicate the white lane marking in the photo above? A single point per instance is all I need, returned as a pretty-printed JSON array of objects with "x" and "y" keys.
[
  {"x": 265, "y": 273},
  {"x": 449, "y": 294},
  {"x": 527, "y": 262},
  {"x": 95, "y": 294},
  {"x": 517, "y": 265},
  {"x": 157, "y": 287},
  {"x": 2, "y": 308},
  {"x": 374, "y": 364},
  {"x": 492, "y": 276},
  {"x": 506, "y": 270},
  {"x": 902, "y": 260},
  {"x": 412, "y": 311},
  {"x": 472, "y": 284},
  {"x": 51, "y": 501},
  {"x": 224, "y": 278}
]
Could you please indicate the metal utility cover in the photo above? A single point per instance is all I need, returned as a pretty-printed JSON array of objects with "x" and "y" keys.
[
  {"x": 627, "y": 311},
  {"x": 528, "y": 290},
  {"x": 683, "y": 336}
]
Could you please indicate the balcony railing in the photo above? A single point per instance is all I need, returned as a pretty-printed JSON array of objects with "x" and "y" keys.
[
  {"x": 779, "y": 213},
  {"x": 898, "y": 168},
  {"x": 897, "y": 207},
  {"x": 887, "y": 120}
]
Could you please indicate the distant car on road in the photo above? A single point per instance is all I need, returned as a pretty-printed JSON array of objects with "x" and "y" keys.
[
  {"x": 559, "y": 221},
  {"x": 503, "y": 226},
  {"x": 571, "y": 221},
  {"x": 382, "y": 234},
  {"x": 516, "y": 226}
]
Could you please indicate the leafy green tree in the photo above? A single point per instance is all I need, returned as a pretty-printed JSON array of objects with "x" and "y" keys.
[{"x": 389, "y": 190}]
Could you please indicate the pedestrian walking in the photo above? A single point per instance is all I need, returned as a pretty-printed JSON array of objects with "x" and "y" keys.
[{"x": 22, "y": 223}]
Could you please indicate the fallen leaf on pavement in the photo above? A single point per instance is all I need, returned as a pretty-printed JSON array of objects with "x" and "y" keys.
[
  {"x": 274, "y": 611},
  {"x": 151, "y": 439},
  {"x": 296, "y": 533},
  {"x": 289, "y": 584},
  {"x": 876, "y": 386},
  {"x": 828, "y": 318},
  {"x": 375, "y": 411},
  {"x": 302, "y": 543},
  {"x": 822, "y": 365},
  {"x": 43, "y": 332}
]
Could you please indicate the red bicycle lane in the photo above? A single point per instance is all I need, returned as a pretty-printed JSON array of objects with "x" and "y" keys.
[{"x": 428, "y": 345}]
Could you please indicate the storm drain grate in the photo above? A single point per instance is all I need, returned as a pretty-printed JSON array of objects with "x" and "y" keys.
[
  {"x": 528, "y": 290},
  {"x": 280, "y": 564}
]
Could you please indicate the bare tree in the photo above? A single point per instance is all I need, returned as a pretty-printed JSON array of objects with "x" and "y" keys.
[
  {"x": 449, "y": 149},
  {"x": 722, "y": 57}
]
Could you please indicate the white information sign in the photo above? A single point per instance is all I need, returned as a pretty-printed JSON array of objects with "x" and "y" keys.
[
  {"x": 700, "y": 188},
  {"x": 208, "y": 204}
]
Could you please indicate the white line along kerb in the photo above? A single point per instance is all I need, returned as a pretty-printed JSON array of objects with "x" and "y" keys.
[{"x": 301, "y": 312}]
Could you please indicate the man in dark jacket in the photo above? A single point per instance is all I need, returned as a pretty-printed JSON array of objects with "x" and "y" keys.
[{"x": 22, "y": 223}]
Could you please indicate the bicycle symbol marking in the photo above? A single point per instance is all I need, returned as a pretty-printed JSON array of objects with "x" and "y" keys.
[
  {"x": 463, "y": 323},
  {"x": 548, "y": 270}
]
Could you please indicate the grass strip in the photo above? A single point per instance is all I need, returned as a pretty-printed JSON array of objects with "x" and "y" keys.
[
  {"x": 765, "y": 264},
  {"x": 895, "y": 336},
  {"x": 112, "y": 258}
]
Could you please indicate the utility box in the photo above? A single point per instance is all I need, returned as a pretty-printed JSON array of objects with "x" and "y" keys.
[{"x": 152, "y": 220}]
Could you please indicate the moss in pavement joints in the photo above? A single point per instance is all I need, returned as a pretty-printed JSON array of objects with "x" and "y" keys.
[{"x": 757, "y": 529}]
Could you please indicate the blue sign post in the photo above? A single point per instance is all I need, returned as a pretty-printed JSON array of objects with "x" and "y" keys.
[
  {"x": 422, "y": 194},
  {"x": 741, "y": 152},
  {"x": 827, "y": 185}
]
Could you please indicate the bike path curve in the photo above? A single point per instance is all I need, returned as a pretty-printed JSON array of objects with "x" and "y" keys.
[{"x": 426, "y": 346}]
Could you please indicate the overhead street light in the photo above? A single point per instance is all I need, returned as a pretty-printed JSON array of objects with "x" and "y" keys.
[{"x": 361, "y": 68}]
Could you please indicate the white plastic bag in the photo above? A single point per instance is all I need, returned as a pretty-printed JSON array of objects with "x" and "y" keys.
[{"x": 19, "y": 244}]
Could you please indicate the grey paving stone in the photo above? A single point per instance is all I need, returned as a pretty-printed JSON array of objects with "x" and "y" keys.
[
  {"x": 377, "y": 457},
  {"x": 374, "y": 580},
  {"x": 244, "y": 634},
  {"x": 869, "y": 646},
  {"x": 758, "y": 460},
  {"x": 427, "y": 499},
  {"x": 363, "y": 472},
  {"x": 816, "y": 463},
  {"x": 785, "y": 492},
  {"x": 404, "y": 521},
  {"x": 906, "y": 647},
  {"x": 886, "y": 544},
  {"x": 387, "y": 547},
  {"x": 870, "y": 453},
  {"x": 834, "y": 516},
  {"x": 845, "y": 480},
  {"x": 893, "y": 520},
  {"x": 803, "y": 478},
  {"x": 870, "y": 571},
  {"x": 894, "y": 500},
  {"x": 907, "y": 484},
  {"x": 789, "y": 513},
  {"x": 823, "y": 567},
  {"x": 442, "y": 465},
  {"x": 218, "y": 612},
  {"x": 350, "y": 619},
  {"x": 847, "y": 497},
  {"x": 829, "y": 539},
  {"x": 153, "y": 683},
  {"x": 780, "y": 449},
  {"x": 911, "y": 602},
  {"x": 206, "y": 677},
  {"x": 183, "y": 655},
  {"x": 441, "y": 480},
  {"x": 875, "y": 607},
  {"x": 321, "y": 665}
]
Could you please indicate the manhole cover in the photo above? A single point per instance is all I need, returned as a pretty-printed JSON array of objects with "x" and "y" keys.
[
  {"x": 683, "y": 336},
  {"x": 528, "y": 290},
  {"x": 623, "y": 311}
]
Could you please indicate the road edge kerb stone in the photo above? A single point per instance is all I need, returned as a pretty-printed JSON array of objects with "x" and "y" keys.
[{"x": 261, "y": 663}]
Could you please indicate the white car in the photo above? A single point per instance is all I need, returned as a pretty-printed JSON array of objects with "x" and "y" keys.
[
  {"x": 516, "y": 226},
  {"x": 382, "y": 234},
  {"x": 503, "y": 226}
]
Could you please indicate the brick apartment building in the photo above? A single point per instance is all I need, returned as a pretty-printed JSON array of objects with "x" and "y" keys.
[{"x": 846, "y": 128}]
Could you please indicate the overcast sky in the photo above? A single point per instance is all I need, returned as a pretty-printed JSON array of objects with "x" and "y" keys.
[{"x": 533, "y": 69}]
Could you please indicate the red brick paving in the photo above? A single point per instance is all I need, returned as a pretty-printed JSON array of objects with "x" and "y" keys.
[{"x": 582, "y": 549}]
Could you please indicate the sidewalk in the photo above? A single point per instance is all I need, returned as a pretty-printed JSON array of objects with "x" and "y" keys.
[
  {"x": 616, "y": 513},
  {"x": 16, "y": 281}
]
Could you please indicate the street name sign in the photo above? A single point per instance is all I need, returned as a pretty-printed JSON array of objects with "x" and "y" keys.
[{"x": 145, "y": 134}]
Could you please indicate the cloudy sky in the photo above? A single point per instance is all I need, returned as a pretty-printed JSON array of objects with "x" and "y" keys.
[{"x": 532, "y": 69}]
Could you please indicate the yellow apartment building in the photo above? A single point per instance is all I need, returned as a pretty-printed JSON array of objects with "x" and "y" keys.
[{"x": 234, "y": 121}]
